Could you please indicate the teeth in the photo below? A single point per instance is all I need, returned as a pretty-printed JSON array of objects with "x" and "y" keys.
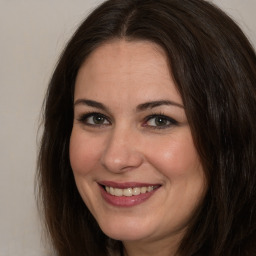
[
  {"x": 143, "y": 190},
  {"x": 129, "y": 191},
  {"x": 118, "y": 192},
  {"x": 136, "y": 191},
  {"x": 150, "y": 189}
]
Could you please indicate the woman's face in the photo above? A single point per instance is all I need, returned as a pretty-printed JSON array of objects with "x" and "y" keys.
[{"x": 131, "y": 149}]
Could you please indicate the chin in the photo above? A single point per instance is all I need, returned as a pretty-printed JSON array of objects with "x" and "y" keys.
[
  {"x": 126, "y": 236},
  {"x": 126, "y": 231}
]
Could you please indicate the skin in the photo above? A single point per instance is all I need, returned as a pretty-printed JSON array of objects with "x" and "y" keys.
[{"x": 129, "y": 145}]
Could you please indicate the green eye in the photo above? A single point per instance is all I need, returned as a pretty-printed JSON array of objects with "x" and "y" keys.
[
  {"x": 160, "y": 121},
  {"x": 94, "y": 119},
  {"x": 97, "y": 119}
]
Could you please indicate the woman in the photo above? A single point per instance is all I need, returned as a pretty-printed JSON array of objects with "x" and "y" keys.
[{"x": 150, "y": 136}]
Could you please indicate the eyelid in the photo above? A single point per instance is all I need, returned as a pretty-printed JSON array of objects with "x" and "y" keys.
[
  {"x": 172, "y": 122},
  {"x": 83, "y": 117}
]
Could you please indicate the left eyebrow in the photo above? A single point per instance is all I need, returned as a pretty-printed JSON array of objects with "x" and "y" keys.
[
  {"x": 91, "y": 103},
  {"x": 153, "y": 104}
]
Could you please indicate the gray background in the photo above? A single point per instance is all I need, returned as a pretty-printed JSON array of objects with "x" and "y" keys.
[{"x": 33, "y": 33}]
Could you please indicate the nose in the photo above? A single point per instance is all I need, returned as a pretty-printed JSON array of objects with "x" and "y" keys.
[{"x": 121, "y": 151}]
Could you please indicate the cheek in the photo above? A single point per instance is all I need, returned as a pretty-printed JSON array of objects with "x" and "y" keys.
[
  {"x": 83, "y": 152},
  {"x": 176, "y": 156}
]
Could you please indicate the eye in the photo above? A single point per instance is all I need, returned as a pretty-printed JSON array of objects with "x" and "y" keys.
[
  {"x": 94, "y": 119},
  {"x": 159, "y": 121}
]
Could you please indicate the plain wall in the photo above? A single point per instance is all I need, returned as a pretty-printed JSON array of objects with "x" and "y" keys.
[{"x": 32, "y": 35}]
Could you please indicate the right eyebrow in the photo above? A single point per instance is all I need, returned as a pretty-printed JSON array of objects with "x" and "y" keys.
[
  {"x": 153, "y": 104},
  {"x": 91, "y": 103}
]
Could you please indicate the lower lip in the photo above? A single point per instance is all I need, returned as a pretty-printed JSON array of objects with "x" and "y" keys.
[{"x": 126, "y": 201}]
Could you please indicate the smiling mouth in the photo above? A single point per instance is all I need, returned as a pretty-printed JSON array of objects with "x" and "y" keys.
[
  {"x": 135, "y": 191},
  {"x": 127, "y": 194}
]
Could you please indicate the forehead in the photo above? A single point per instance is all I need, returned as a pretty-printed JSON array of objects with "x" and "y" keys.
[{"x": 128, "y": 69}]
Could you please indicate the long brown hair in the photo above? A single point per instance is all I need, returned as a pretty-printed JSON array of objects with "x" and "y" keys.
[{"x": 214, "y": 67}]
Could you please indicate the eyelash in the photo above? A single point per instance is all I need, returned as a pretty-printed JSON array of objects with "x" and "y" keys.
[
  {"x": 84, "y": 119},
  {"x": 171, "y": 122}
]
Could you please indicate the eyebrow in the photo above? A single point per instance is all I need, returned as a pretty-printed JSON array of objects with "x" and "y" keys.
[
  {"x": 140, "y": 107},
  {"x": 154, "y": 104},
  {"x": 91, "y": 103}
]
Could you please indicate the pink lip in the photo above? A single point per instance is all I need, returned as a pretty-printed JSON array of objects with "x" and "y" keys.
[{"x": 125, "y": 201}]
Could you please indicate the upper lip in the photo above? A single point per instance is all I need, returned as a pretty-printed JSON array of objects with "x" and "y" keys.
[{"x": 123, "y": 185}]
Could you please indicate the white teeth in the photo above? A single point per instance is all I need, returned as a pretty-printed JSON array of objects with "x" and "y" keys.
[
  {"x": 136, "y": 191},
  {"x": 112, "y": 191},
  {"x": 129, "y": 191},
  {"x": 150, "y": 188},
  {"x": 143, "y": 190},
  {"x": 118, "y": 192}
]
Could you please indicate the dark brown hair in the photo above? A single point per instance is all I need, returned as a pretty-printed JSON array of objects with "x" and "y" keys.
[{"x": 214, "y": 67}]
